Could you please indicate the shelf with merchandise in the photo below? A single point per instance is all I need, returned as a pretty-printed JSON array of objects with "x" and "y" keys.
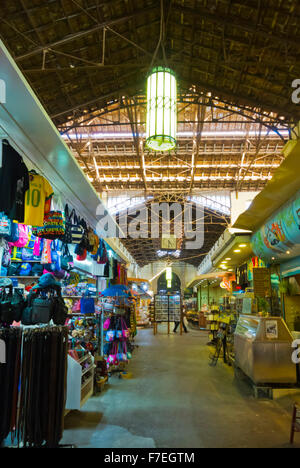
[{"x": 21, "y": 277}]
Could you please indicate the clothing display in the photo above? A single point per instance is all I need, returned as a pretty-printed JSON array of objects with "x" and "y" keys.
[
  {"x": 35, "y": 359},
  {"x": 53, "y": 268},
  {"x": 39, "y": 192},
  {"x": 14, "y": 181},
  {"x": 18, "y": 210}
]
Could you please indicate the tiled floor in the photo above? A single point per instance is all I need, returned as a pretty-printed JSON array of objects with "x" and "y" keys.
[{"x": 176, "y": 400}]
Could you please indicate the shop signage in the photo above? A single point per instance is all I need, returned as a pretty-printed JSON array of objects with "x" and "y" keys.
[
  {"x": 262, "y": 282},
  {"x": 227, "y": 282},
  {"x": 255, "y": 262},
  {"x": 247, "y": 306},
  {"x": 2, "y": 92},
  {"x": 281, "y": 233},
  {"x": 272, "y": 329},
  {"x": 296, "y": 93}
]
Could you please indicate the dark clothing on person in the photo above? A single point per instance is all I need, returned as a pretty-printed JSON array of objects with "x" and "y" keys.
[{"x": 177, "y": 325}]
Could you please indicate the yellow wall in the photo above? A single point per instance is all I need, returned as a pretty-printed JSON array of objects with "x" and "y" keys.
[{"x": 214, "y": 295}]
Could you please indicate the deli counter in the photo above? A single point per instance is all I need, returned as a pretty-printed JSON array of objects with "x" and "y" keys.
[{"x": 263, "y": 350}]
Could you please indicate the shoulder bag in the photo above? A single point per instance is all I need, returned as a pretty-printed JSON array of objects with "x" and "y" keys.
[{"x": 74, "y": 232}]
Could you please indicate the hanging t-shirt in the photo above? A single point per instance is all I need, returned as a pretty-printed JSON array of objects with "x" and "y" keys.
[
  {"x": 12, "y": 171},
  {"x": 39, "y": 192},
  {"x": 18, "y": 210}
]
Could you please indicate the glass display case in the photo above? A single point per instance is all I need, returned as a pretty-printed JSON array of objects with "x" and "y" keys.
[
  {"x": 263, "y": 350},
  {"x": 167, "y": 308}
]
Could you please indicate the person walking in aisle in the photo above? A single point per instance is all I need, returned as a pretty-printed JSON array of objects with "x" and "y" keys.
[{"x": 177, "y": 323}]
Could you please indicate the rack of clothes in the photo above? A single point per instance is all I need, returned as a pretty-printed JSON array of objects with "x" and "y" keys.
[{"x": 32, "y": 401}]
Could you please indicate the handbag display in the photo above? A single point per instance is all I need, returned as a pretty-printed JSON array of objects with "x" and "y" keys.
[
  {"x": 60, "y": 311},
  {"x": 44, "y": 305},
  {"x": 66, "y": 259},
  {"x": 18, "y": 304},
  {"x": 12, "y": 304},
  {"x": 31, "y": 239},
  {"x": 55, "y": 257},
  {"x": 76, "y": 306},
  {"x": 37, "y": 248},
  {"x": 108, "y": 307},
  {"x": 106, "y": 324},
  {"x": 110, "y": 335},
  {"x": 23, "y": 236},
  {"x": 74, "y": 232},
  {"x": 27, "y": 254},
  {"x": 54, "y": 226},
  {"x": 62, "y": 274},
  {"x": 13, "y": 269},
  {"x": 5, "y": 225},
  {"x": 14, "y": 234},
  {"x": 42, "y": 310},
  {"x": 125, "y": 330},
  {"x": 6, "y": 310},
  {"x": 16, "y": 254},
  {"x": 81, "y": 252},
  {"x": 93, "y": 241},
  {"x": 37, "y": 269},
  {"x": 87, "y": 306},
  {"x": 6, "y": 257}
]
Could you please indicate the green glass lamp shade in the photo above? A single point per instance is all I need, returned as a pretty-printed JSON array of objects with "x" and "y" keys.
[{"x": 161, "y": 110}]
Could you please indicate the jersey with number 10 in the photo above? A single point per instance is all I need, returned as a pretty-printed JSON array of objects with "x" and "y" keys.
[{"x": 39, "y": 192}]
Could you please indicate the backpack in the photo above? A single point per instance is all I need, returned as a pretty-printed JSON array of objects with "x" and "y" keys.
[
  {"x": 60, "y": 311},
  {"x": 74, "y": 232},
  {"x": 6, "y": 257},
  {"x": 23, "y": 236}
]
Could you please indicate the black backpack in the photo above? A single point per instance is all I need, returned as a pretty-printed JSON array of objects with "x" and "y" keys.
[
  {"x": 60, "y": 310},
  {"x": 6, "y": 310},
  {"x": 11, "y": 305},
  {"x": 44, "y": 305}
]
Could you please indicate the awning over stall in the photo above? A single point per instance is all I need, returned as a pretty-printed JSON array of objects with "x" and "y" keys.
[
  {"x": 290, "y": 268},
  {"x": 284, "y": 184}
]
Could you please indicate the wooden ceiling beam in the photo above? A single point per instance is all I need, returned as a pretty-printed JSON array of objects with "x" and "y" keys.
[
  {"x": 239, "y": 23},
  {"x": 81, "y": 34}
]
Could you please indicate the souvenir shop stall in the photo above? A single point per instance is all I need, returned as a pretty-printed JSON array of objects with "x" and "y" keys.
[
  {"x": 167, "y": 310},
  {"x": 50, "y": 259},
  {"x": 190, "y": 305},
  {"x": 88, "y": 306},
  {"x": 139, "y": 289},
  {"x": 119, "y": 327},
  {"x": 49, "y": 288}
]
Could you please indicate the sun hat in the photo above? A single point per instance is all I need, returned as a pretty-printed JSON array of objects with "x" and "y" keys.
[{"x": 47, "y": 281}]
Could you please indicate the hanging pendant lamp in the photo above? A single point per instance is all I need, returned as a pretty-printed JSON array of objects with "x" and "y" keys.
[
  {"x": 169, "y": 273},
  {"x": 161, "y": 110}
]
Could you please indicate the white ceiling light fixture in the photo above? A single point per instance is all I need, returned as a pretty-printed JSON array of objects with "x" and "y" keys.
[
  {"x": 161, "y": 110},
  {"x": 205, "y": 134}
]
